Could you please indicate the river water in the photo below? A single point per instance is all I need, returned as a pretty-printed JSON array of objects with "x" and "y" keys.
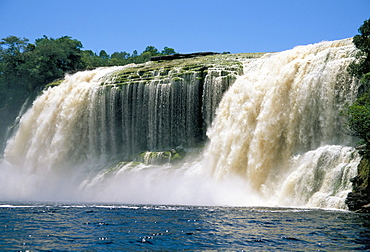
[{"x": 102, "y": 227}]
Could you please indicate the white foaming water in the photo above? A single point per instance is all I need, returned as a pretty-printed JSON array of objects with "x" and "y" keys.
[
  {"x": 277, "y": 139},
  {"x": 285, "y": 105}
]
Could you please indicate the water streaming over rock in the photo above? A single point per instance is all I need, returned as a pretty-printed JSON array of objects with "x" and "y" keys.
[
  {"x": 277, "y": 137},
  {"x": 285, "y": 105}
]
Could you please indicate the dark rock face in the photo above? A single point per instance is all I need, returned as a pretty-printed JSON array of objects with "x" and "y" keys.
[
  {"x": 359, "y": 199},
  {"x": 181, "y": 56}
]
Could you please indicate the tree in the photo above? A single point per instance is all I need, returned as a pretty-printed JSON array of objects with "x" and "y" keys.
[
  {"x": 151, "y": 50},
  {"x": 359, "y": 118},
  {"x": 52, "y": 58},
  {"x": 12, "y": 57},
  {"x": 359, "y": 112},
  {"x": 119, "y": 58},
  {"x": 144, "y": 57},
  {"x": 361, "y": 66},
  {"x": 120, "y": 55},
  {"x": 25, "y": 65},
  {"x": 103, "y": 54},
  {"x": 12, "y": 46},
  {"x": 90, "y": 59},
  {"x": 14, "y": 52},
  {"x": 134, "y": 53},
  {"x": 168, "y": 51}
]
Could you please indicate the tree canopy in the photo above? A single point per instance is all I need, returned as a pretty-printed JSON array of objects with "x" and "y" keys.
[
  {"x": 28, "y": 66},
  {"x": 359, "y": 120},
  {"x": 361, "y": 66}
]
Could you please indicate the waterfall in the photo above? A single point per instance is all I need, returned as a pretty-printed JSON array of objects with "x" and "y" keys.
[
  {"x": 274, "y": 129},
  {"x": 286, "y": 105}
]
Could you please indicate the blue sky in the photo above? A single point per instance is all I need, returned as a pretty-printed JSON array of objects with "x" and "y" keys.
[{"x": 235, "y": 26}]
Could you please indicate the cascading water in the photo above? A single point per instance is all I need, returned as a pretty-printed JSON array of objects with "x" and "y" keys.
[
  {"x": 277, "y": 137},
  {"x": 285, "y": 107}
]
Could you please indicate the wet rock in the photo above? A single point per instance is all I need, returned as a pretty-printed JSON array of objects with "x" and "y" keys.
[{"x": 359, "y": 199}]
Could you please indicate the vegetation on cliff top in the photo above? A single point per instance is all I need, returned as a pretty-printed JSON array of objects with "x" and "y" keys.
[
  {"x": 179, "y": 68},
  {"x": 361, "y": 67},
  {"x": 29, "y": 66},
  {"x": 359, "y": 112}
]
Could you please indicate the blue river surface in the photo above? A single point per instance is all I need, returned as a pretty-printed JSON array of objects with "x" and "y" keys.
[{"x": 39, "y": 226}]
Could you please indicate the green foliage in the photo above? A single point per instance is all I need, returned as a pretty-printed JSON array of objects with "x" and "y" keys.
[
  {"x": 152, "y": 50},
  {"x": 359, "y": 112},
  {"x": 52, "y": 58},
  {"x": 122, "y": 56},
  {"x": 361, "y": 66},
  {"x": 168, "y": 51},
  {"x": 359, "y": 119},
  {"x": 13, "y": 46},
  {"x": 91, "y": 60},
  {"x": 13, "y": 54},
  {"x": 29, "y": 66},
  {"x": 103, "y": 54},
  {"x": 362, "y": 41}
]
